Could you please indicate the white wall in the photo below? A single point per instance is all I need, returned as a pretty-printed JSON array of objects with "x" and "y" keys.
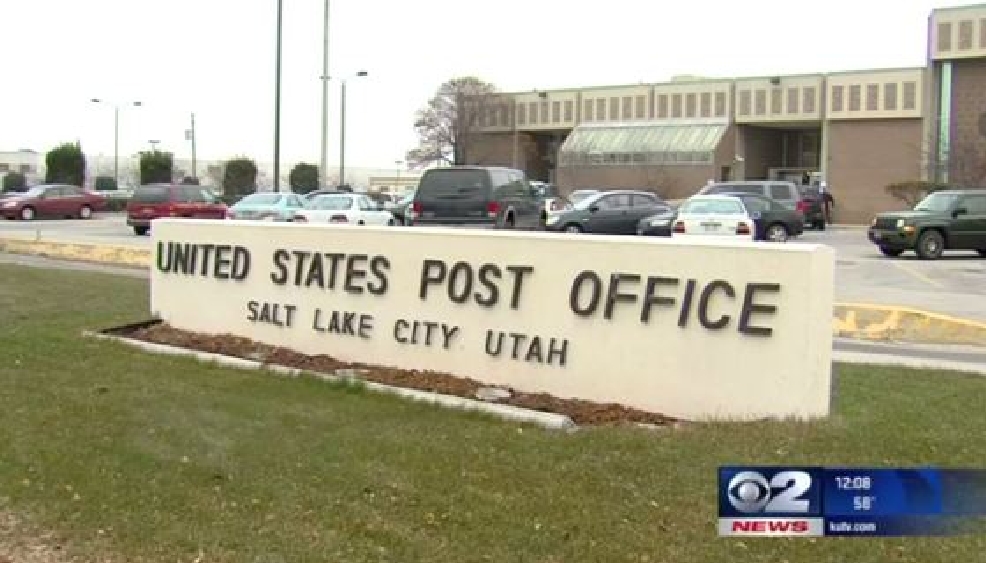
[{"x": 691, "y": 372}]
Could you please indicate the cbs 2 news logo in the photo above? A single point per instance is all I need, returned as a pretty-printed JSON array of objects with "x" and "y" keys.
[{"x": 770, "y": 491}]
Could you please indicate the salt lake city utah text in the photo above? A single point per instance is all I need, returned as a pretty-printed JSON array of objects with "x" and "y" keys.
[{"x": 713, "y": 305}]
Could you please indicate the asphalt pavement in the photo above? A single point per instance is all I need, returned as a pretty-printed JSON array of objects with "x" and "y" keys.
[
  {"x": 954, "y": 285},
  {"x": 932, "y": 356}
]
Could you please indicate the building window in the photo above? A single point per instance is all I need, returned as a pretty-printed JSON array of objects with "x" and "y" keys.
[
  {"x": 705, "y": 104},
  {"x": 614, "y": 109},
  {"x": 720, "y": 104},
  {"x": 965, "y": 35},
  {"x": 627, "y": 107},
  {"x": 569, "y": 111},
  {"x": 982, "y": 33},
  {"x": 556, "y": 112},
  {"x": 837, "y": 94},
  {"x": 640, "y": 108},
  {"x": 505, "y": 114},
  {"x": 690, "y": 105},
  {"x": 676, "y": 105},
  {"x": 792, "y": 100},
  {"x": 760, "y": 102},
  {"x": 775, "y": 101},
  {"x": 808, "y": 103},
  {"x": 545, "y": 108},
  {"x": 521, "y": 114},
  {"x": 587, "y": 110},
  {"x": 601, "y": 109},
  {"x": 872, "y": 97},
  {"x": 944, "y": 36},
  {"x": 662, "y": 106},
  {"x": 533, "y": 110},
  {"x": 744, "y": 102},
  {"x": 910, "y": 96},
  {"x": 890, "y": 96},
  {"x": 855, "y": 97}
]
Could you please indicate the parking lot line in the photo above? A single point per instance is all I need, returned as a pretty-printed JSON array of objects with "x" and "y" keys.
[{"x": 918, "y": 275}]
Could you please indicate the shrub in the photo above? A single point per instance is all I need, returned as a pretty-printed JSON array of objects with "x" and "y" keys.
[
  {"x": 14, "y": 182},
  {"x": 156, "y": 167},
  {"x": 303, "y": 178},
  {"x": 240, "y": 177},
  {"x": 104, "y": 184},
  {"x": 913, "y": 191},
  {"x": 65, "y": 164}
]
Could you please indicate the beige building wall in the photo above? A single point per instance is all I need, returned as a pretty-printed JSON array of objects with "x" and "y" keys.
[
  {"x": 879, "y": 94},
  {"x": 958, "y": 33},
  {"x": 779, "y": 99}
]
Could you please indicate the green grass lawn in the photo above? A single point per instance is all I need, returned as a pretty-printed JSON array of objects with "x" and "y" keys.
[{"x": 129, "y": 456}]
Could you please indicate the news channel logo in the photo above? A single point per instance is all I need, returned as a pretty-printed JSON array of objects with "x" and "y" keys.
[{"x": 769, "y": 491}]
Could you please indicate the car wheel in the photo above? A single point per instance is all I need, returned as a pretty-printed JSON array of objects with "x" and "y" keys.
[
  {"x": 931, "y": 245},
  {"x": 573, "y": 228},
  {"x": 777, "y": 233},
  {"x": 141, "y": 231},
  {"x": 390, "y": 222},
  {"x": 85, "y": 212},
  {"x": 820, "y": 225},
  {"x": 27, "y": 213},
  {"x": 891, "y": 252}
]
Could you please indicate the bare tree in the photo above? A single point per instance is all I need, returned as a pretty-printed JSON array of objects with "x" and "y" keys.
[{"x": 447, "y": 126}]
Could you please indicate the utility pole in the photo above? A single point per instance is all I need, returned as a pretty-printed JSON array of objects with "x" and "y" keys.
[
  {"x": 342, "y": 136},
  {"x": 116, "y": 146},
  {"x": 195, "y": 173},
  {"x": 277, "y": 100},
  {"x": 323, "y": 166}
]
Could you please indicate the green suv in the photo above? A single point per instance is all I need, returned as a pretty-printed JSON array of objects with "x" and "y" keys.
[{"x": 944, "y": 220}]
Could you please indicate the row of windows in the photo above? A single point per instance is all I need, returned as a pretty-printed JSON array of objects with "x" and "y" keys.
[
  {"x": 799, "y": 101},
  {"x": 672, "y": 158},
  {"x": 966, "y": 34},
  {"x": 893, "y": 100},
  {"x": 22, "y": 168}
]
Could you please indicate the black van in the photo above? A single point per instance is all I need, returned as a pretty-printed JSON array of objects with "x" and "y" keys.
[{"x": 475, "y": 195}]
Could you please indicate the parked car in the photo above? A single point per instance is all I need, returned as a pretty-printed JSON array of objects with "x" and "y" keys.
[
  {"x": 266, "y": 207},
  {"x": 614, "y": 212},
  {"x": 785, "y": 193},
  {"x": 346, "y": 208},
  {"x": 325, "y": 191},
  {"x": 402, "y": 209},
  {"x": 153, "y": 201},
  {"x": 659, "y": 224},
  {"x": 944, "y": 220},
  {"x": 475, "y": 195},
  {"x": 773, "y": 222},
  {"x": 51, "y": 200},
  {"x": 714, "y": 215},
  {"x": 814, "y": 207}
]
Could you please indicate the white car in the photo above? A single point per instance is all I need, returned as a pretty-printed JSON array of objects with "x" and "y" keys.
[
  {"x": 714, "y": 215},
  {"x": 344, "y": 208}
]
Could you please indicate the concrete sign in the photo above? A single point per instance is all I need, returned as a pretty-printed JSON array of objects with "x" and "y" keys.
[{"x": 693, "y": 329}]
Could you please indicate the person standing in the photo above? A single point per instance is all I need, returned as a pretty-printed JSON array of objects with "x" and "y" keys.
[{"x": 827, "y": 201}]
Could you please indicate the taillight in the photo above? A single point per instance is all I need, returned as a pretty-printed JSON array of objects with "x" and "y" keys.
[
  {"x": 679, "y": 227},
  {"x": 230, "y": 214},
  {"x": 742, "y": 229},
  {"x": 492, "y": 208},
  {"x": 416, "y": 207},
  {"x": 338, "y": 219},
  {"x": 802, "y": 206}
]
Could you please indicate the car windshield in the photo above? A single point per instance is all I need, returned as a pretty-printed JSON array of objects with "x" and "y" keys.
[
  {"x": 580, "y": 195},
  {"x": 937, "y": 202},
  {"x": 151, "y": 194},
  {"x": 730, "y": 188},
  {"x": 464, "y": 183},
  {"x": 585, "y": 199},
  {"x": 331, "y": 203},
  {"x": 261, "y": 199},
  {"x": 711, "y": 207},
  {"x": 32, "y": 192}
]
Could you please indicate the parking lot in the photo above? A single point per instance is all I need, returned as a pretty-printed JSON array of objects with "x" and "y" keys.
[{"x": 954, "y": 285}]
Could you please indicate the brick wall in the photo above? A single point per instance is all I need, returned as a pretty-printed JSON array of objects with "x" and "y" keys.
[
  {"x": 865, "y": 156},
  {"x": 761, "y": 150},
  {"x": 671, "y": 182},
  {"x": 967, "y": 162}
]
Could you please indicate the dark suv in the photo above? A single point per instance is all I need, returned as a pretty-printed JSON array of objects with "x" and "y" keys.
[
  {"x": 784, "y": 192},
  {"x": 944, "y": 220},
  {"x": 475, "y": 195},
  {"x": 153, "y": 201}
]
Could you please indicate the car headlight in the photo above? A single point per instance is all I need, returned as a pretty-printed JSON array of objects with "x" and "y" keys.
[
  {"x": 901, "y": 223},
  {"x": 660, "y": 222}
]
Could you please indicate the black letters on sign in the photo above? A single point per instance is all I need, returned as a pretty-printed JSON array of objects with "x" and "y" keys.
[
  {"x": 750, "y": 307},
  {"x": 356, "y": 273},
  {"x": 462, "y": 279},
  {"x": 220, "y": 261},
  {"x": 575, "y": 295},
  {"x": 703, "y": 304}
]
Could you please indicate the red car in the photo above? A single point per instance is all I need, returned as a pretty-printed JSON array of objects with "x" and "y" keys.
[
  {"x": 51, "y": 200},
  {"x": 153, "y": 201}
]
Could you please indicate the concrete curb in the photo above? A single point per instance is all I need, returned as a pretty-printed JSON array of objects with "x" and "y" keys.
[
  {"x": 98, "y": 253},
  {"x": 548, "y": 420},
  {"x": 907, "y": 362},
  {"x": 861, "y": 321},
  {"x": 865, "y": 321}
]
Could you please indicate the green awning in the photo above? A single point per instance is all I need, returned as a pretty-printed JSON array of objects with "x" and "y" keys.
[{"x": 689, "y": 142}]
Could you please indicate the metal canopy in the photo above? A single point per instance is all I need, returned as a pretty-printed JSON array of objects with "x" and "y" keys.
[{"x": 667, "y": 142}]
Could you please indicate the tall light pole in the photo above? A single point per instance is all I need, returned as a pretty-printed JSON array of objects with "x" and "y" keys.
[
  {"x": 190, "y": 136},
  {"x": 116, "y": 137},
  {"x": 277, "y": 100},
  {"x": 323, "y": 166},
  {"x": 342, "y": 130},
  {"x": 399, "y": 164}
]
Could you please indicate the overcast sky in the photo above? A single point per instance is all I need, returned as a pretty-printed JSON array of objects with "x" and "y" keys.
[{"x": 216, "y": 58}]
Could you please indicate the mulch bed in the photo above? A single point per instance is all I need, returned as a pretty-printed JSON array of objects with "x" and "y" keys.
[{"x": 581, "y": 412}]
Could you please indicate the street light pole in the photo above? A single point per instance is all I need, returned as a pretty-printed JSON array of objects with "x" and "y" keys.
[
  {"x": 116, "y": 136},
  {"x": 323, "y": 166},
  {"x": 277, "y": 101},
  {"x": 195, "y": 173},
  {"x": 397, "y": 188},
  {"x": 342, "y": 130}
]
